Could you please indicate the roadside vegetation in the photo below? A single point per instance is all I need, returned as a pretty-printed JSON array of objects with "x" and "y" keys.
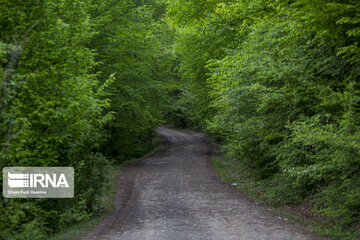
[
  {"x": 81, "y": 86},
  {"x": 277, "y": 83}
]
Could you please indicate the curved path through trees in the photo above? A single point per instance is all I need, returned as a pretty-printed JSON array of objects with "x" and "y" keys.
[{"x": 175, "y": 195}]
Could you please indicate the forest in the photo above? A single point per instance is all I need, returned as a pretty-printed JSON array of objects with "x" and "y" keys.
[{"x": 85, "y": 84}]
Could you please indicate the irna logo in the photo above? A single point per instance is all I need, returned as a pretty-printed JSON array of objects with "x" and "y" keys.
[
  {"x": 38, "y": 182},
  {"x": 16, "y": 180}
]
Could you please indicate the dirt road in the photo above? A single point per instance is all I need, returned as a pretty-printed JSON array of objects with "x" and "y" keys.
[{"x": 175, "y": 195}]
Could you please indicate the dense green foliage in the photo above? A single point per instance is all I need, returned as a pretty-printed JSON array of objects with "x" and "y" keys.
[
  {"x": 278, "y": 83},
  {"x": 126, "y": 47},
  {"x": 80, "y": 86}
]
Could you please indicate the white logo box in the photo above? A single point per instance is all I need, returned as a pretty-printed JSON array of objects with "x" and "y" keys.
[{"x": 38, "y": 182}]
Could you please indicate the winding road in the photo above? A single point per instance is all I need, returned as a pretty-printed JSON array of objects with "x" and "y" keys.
[{"x": 175, "y": 195}]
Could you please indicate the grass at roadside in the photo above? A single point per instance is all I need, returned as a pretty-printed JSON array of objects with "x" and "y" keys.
[
  {"x": 77, "y": 230},
  {"x": 304, "y": 217},
  {"x": 80, "y": 229}
]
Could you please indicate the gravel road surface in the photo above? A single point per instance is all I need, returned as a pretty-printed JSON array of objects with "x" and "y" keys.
[{"x": 175, "y": 195}]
